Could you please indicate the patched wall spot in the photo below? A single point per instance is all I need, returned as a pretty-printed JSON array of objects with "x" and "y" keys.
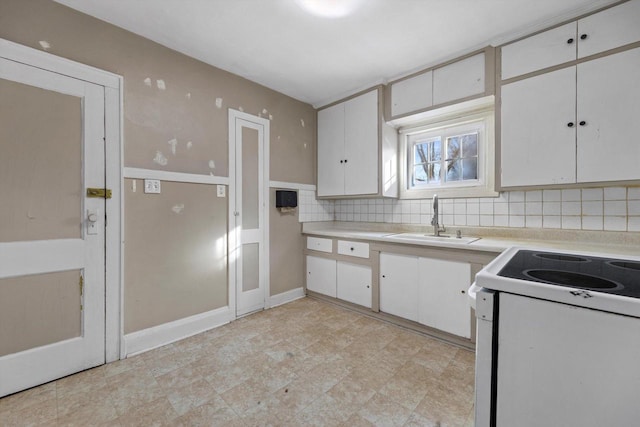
[
  {"x": 161, "y": 85},
  {"x": 302, "y": 122},
  {"x": 45, "y": 44},
  {"x": 147, "y": 82},
  {"x": 173, "y": 143},
  {"x": 160, "y": 159},
  {"x": 178, "y": 208},
  {"x": 219, "y": 102}
]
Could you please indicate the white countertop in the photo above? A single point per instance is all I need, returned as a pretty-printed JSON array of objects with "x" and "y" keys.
[{"x": 485, "y": 243}]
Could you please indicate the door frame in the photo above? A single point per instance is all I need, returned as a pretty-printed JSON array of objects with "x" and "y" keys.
[
  {"x": 231, "y": 235},
  {"x": 114, "y": 237}
]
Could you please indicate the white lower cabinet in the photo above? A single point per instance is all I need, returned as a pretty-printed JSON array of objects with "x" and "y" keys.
[
  {"x": 399, "y": 285},
  {"x": 426, "y": 290},
  {"x": 442, "y": 295},
  {"x": 338, "y": 279},
  {"x": 321, "y": 275},
  {"x": 354, "y": 283}
]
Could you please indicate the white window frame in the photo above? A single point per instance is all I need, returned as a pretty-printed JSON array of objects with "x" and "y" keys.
[{"x": 449, "y": 125}]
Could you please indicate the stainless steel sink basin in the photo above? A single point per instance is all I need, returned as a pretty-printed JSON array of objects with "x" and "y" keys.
[{"x": 421, "y": 237}]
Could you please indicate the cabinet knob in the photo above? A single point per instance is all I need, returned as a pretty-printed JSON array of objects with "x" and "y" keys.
[
  {"x": 383, "y": 276},
  {"x": 583, "y": 36},
  {"x": 345, "y": 160},
  {"x": 462, "y": 292},
  {"x": 368, "y": 286},
  {"x": 570, "y": 124},
  {"x": 570, "y": 41},
  {"x": 582, "y": 123},
  {"x": 351, "y": 248},
  {"x": 341, "y": 161}
]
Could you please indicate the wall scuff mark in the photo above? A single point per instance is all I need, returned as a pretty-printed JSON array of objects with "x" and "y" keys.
[
  {"x": 160, "y": 159},
  {"x": 241, "y": 109},
  {"x": 270, "y": 117},
  {"x": 147, "y": 82},
  {"x": 173, "y": 143},
  {"x": 178, "y": 208},
  {"x": 219, "y": 102},
  {"x": 161, "y": 85}
]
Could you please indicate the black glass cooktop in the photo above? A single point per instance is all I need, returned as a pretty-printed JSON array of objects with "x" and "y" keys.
[{"x": 609, "y": 275}]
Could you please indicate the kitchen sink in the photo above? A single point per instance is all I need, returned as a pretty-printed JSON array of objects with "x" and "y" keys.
[{"x": 421, "y": 237}]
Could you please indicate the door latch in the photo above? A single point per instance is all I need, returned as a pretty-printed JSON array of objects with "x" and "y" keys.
[{"x": 102, "y": 193}]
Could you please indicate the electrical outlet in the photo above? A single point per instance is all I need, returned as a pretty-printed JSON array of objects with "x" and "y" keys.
[
  {"x": 152, "y": 186},
  {"x": 221, "y": 190}
]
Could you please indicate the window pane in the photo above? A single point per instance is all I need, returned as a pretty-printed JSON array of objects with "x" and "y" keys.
[
  {"x": 434, "y": 172},
  {"x": 454, "y": 170},
  {"x": 470, "y": 168},
  {"x": 470, "y": 145},
  {"x": 420, "y": 153},
  {"x": 436, "y": 151},
  {"x": 453, "y": 148},
  {"x": 420, "y": 175}
]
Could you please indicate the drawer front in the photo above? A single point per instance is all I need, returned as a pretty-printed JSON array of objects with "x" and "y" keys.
[
  {"x": 320, "y": 244},
  {"x": 357, "y": 249}
]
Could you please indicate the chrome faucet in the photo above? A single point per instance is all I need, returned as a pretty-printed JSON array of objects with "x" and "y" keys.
[{"x": 434, "y": 221}]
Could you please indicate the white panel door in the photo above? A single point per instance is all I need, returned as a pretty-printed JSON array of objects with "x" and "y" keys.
[
  {"x": 361, "y": 123},
  {"x": 399, "y": 285},
  {"x": 543, "y": 50},
  {"x": 321, "y": 275},
  {"x": 560, "y": 365},
  {"x": 608, "y": 111},
  {"x": 249, "y": 142},
  {"x": 331, "y": 153},
  {"x": 52, "y": 236},
  {"x": 442, "y": 295},
  {"x": 538, "y": 138},
  {"x": 413, "y": 94},
  {"x": 459, "y": 80},
  {"x": 609, "y": 29},
  {"x": 354, "y": 283}
]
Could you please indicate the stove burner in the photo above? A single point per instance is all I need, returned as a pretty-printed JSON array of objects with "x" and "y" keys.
[
  {"x": 572, "y": 279},
  {"x": 625, "y": 264},
  {"x": 560, "y": 257}
]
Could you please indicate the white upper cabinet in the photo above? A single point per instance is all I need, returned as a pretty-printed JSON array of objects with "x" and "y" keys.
[
  {"x": 538, "y": 130},
  {"x": 602, "y": 31},
  {"x": 459, "y": 80},
  {"x": 352, "y": 148},
  {"x": 412, "y": 94},
  {"x": 608, "y": 146},
  {"x": 543, "y": 50},
  {"x": 609, "y": 29}
]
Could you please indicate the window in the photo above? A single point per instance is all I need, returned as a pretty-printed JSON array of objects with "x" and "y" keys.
[{"x": 453, "y": 158}]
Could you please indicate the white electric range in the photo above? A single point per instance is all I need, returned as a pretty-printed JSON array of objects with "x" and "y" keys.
[{"x": 558, "y": 340}]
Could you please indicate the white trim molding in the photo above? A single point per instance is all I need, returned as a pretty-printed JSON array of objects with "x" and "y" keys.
[
  {"x": 138, "y": 173},
  {"x": 292, "y": 185},
  {"x": 286, "y": 297},
  {"x": 167, "y": 333}
]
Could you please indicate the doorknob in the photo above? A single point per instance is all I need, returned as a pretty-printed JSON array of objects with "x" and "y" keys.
[
  {"x": 92, "y": 217},
  {"x": 92, "y": 221}
]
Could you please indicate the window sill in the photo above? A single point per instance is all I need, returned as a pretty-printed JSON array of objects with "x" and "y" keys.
[{"x": 449, "y": 193}]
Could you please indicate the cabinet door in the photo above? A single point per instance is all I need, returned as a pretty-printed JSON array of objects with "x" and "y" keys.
[
  {"x": 543, "y": 50},
  {"x": 538, "y": 140},
  {"x": 442, "y": 295},
  {"x": 609, "y": 106},
  {"x": 354, "y": 283},
  {"x": 459, "y": 80},
  {"x": 321, "y": 275},
  {"x": 609, "y": 29},
  {"x": 331, "y": 153},
  {"x": 399, "y": 285},
  {"x": 413, "y": 94},
  {"x": 361, "y": 147}
]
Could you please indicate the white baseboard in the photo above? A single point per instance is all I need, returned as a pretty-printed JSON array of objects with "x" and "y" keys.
[
  {"x": 157, "y": 336},
  {"x": 286, "y": 297}
]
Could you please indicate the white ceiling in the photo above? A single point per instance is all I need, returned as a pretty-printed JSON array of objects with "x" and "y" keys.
[{"x": 318, "y": 60}]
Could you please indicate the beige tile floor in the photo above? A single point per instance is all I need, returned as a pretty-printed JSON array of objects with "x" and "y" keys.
[{"x": 306, "y": 363}]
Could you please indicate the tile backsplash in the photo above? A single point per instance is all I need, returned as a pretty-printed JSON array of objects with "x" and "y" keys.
[{"x": 609, "y": 209}]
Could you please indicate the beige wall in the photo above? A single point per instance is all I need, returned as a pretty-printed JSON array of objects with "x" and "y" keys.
[{"x": 187, "y": 111}]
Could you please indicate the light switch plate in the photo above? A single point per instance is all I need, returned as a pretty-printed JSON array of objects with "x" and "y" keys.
[
  {"x": 221, "y": 190},
  {"x": 152, "y": 186}
]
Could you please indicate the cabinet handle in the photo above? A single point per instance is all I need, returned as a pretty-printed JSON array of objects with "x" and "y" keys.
[
  {"x": 582, "y": 123},
  {"x": 570, "y": 124},
  {"x": 570, "y": 41},
  {"x": 583, "y": 37}
]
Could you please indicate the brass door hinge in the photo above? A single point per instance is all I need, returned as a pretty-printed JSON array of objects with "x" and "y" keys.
[{"x": 103, "y": 193}]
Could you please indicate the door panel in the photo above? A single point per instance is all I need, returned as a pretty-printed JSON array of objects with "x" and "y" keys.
[
  {"x": 247, "y": 236},
  {"x": 361, "y": 144},
  {"x": 331, "y": 153},
  {"x": 321, "y": 275},
  {"x": 51, "y": 269},
  {"x": 399, "y": 285}
]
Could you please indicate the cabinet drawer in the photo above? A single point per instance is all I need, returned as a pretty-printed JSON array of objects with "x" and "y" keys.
[
  {"x": 357, "y": 249},
  {"x": 320, "y": 244}
]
